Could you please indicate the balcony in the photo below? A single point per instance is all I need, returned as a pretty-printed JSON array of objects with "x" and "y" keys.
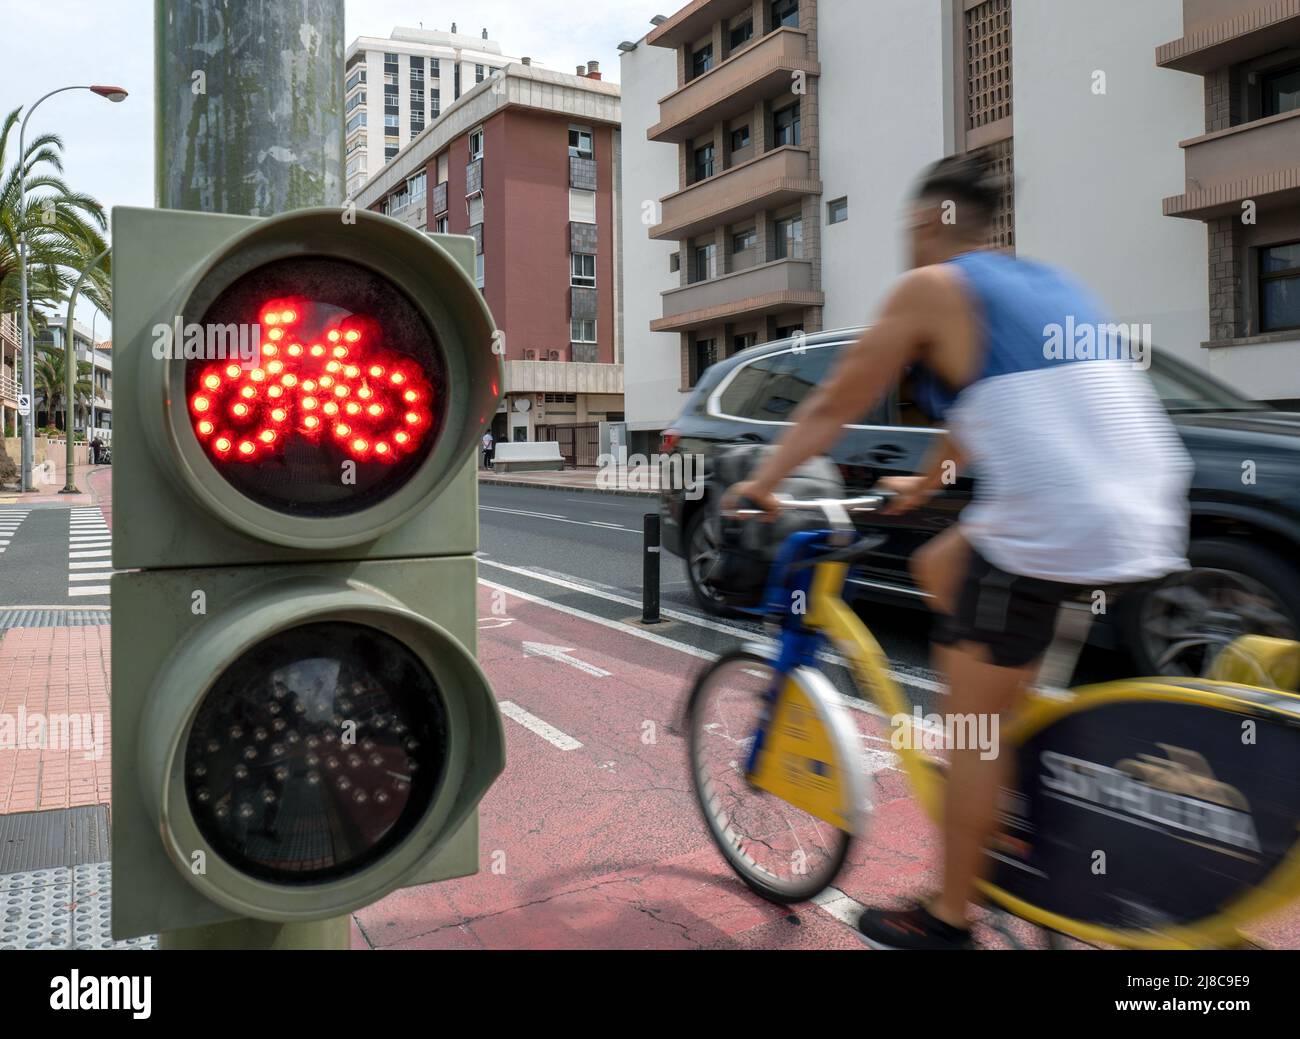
[
  {"x": 766, "y": 289},
  {"x": 773, "y": 180},
  {"x": 758, "y": 72},
  {"x": 9, "y": 387},
  {"x": 1259, "y": 161},
  {"x": 1218, "y": 33},
  {"x": 694, "y": 20}
]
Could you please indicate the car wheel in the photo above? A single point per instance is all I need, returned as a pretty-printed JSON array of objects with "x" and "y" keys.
[
  {"x": 701, "y": 559},
  {"x": 1233, "y": 588}
]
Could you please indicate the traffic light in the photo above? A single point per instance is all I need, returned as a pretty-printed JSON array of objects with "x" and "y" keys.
[{"x": 299, "y": 723}]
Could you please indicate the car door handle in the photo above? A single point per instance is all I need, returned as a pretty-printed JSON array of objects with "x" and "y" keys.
[{"x": 886, "y": 453}]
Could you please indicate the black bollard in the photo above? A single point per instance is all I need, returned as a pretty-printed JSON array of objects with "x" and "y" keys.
[{"x": 650, "y": 570}]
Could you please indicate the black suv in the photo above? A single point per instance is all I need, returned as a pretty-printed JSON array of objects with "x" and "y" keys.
[{"x": 1245, "y": 498}]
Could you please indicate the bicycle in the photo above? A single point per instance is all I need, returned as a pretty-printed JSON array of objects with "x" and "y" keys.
[{"x": 1119, "y": 786}]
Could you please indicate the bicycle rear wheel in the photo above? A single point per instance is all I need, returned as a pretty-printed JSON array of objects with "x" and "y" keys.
[{"x": 781, "y": 852}]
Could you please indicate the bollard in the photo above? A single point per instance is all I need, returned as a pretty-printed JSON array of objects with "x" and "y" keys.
[{"x": 650, "y": 570}]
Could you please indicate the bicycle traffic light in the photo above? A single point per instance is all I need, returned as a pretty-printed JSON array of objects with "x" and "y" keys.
[{"x": 300, "y": 726}]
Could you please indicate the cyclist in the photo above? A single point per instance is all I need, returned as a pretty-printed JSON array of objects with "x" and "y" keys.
[{"x": 1082, "y": 481}]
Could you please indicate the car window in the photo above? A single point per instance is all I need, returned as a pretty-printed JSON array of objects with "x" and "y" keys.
[
  {"x": 771, "y": 388},
  {"x": 1182, "y": 389}
]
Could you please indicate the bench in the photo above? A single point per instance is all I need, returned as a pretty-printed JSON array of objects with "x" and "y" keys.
[{"x": 527, "y": 457}]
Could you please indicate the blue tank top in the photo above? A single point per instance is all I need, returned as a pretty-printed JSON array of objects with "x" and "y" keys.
[{"x": 1017, "y": 301}]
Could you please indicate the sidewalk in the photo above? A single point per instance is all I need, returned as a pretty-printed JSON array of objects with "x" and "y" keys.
[
  {"x": 587, "y": 481},
  {"x": 49, "y": 493}
]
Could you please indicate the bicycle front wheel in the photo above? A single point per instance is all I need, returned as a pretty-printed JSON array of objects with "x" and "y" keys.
[{"x": 780, "y": 851}]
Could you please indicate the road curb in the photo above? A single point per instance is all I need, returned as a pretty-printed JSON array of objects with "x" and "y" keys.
[{"x": 564, "y": 487}]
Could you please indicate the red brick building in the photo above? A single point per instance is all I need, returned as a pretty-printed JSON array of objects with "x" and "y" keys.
[{"x": 527, "y": 163}]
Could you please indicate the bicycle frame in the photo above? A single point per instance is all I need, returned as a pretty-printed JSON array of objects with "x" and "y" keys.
[{"x": 829, "y": 617}]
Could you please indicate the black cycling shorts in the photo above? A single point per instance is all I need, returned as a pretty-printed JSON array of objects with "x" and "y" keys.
[{"x": 1014, "y": 616}]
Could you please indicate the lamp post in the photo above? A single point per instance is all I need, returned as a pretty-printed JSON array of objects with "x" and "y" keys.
[
  {"x": 70, "y": 368},
  {"x": 114, "y": 94}
]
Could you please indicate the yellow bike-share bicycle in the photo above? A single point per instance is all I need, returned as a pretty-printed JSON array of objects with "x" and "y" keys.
[{"x": 1144, "y": 813}]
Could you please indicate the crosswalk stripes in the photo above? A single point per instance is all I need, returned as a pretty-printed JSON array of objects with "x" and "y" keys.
[
  {"x": 10, "y": 521},
  {"x": 90, "y": 553}
]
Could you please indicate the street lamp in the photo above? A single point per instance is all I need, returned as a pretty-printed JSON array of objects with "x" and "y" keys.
[{"x": 116, "y": 95}]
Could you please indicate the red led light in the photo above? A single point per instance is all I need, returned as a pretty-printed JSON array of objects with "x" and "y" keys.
[{"x": 372, "y": 401}]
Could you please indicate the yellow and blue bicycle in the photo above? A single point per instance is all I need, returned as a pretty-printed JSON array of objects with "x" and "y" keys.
[{"x": 1150, "y": 813}]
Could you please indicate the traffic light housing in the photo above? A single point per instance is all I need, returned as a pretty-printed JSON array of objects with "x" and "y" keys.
[{"x": 300, "y": 726}]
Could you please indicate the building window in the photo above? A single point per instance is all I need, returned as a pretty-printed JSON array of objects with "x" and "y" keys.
[
  {"x": 359, "y": 119},
  {"x": 743, "y": 341},
  {"x": 479, "y": 74},
  {"x": 789, "y": 238},
  {"x": 582, "y": 330},
  {"x": 706, "y": 355},
  {"x": 390, "y": 101},
  {"x": 355, "y": 77},
  {"x": 584, "y": 270},
  {"x": 416, "y": 185},
  {"x": 787, "y": 125},
  {"x": 704, "y": 162},
  {"x": 417, "y": 125},
  {"x": 987, "y": 63},
  {"x": 478, "y": 270},
  {"x": 740, "y": 139},
  {"x": 785, "y": 13},
  {"x": 417, "y": 97},
  {"x": 475, "y": 207},
  {"x": 837, "y": 211},
  {"x": 674, "y": 263},
  {"x": 359, "y": 98},
  {"x": 440, "y": 225},
  {"x": 390, "y": 58},
  {"x": 390, "y": 125},
  {"x": 1281, "y": 91},
  {"x": 743, "y": 241},
  {"x": 434, "y": 67},
  {"x": 390, "y": 152},
  {"x": 741, "y": 34},
  {"x": 580, "y": 143},
  {"x": 476, "y": 146},
  {"x": 1279, "y": 287},
  {"x": 702, "y": 60},
  {"x": 706, "y": 262}
]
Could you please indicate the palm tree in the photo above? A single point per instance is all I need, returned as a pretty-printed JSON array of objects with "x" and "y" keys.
[
  {"x": 51, "y": 377},
  {"x": 64, "y": 228}
]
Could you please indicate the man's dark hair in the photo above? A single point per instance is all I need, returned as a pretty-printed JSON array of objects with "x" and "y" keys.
[{"x": 972, "y": 181}]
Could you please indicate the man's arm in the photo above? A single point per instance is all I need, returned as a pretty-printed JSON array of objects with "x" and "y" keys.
[{"x": 867, "y": 372}]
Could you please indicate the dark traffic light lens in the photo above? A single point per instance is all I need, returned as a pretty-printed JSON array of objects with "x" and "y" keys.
[
  {"x": 316, "y": 388},
  {"x": 316, "y": 753}
]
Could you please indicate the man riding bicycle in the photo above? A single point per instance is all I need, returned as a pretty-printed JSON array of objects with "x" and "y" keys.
[{"x": 1081, "y": 481}]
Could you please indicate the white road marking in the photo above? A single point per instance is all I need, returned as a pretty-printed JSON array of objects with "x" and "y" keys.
[
  {"x": 558, "y": 519},
  {"x": 106, "y": 564},
  {"x": 561, "y": 655},
  {"x": 93, "y": 589},
  {"x": 839, "y": 905},
  {"x": 95, "y": 553},
  {"x": 907, "y": 678},
  {"x": 94, "y": 575},
  {"x": 89, "y": 538},
  {"x": 535, "y": 724}
]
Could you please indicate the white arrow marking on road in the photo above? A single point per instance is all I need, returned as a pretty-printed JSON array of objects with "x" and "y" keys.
[{"x": 561, "y": 654}]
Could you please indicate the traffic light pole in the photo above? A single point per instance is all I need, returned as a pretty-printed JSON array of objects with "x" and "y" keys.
[{"x": 249, "y": 120}]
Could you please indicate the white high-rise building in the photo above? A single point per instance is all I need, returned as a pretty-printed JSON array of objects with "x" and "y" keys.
[{"x": 396, "y": 87}]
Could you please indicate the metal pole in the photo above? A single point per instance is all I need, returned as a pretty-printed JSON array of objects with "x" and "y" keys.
[
  {"x": 249, "y": 116},
  {"x": 90, "y": 429},
  {"x": 249, "y": 120},
  {"x": 70, "y": 362},
  {"x": 650, "y": 570}
]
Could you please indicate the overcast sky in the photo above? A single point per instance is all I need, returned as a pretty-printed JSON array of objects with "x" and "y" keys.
[{"x": 108, "y": 149}]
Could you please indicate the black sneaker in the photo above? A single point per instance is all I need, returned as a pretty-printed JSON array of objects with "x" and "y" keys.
[{"x": 910, "y": 929}]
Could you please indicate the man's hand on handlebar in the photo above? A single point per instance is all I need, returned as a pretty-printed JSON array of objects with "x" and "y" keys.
[
  {"x": 752, "y": 495},
  {"x": 906, "y": 493}
]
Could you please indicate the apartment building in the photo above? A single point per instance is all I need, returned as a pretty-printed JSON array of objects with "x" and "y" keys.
[
  {"x": 414, "y": 75},
  {"x": 11, "y": 371},
  {"x": 529, "y": 165},
  {"x": 96, "y": 411},
  {"x": 1243, "y": 184},
  {"x": 795, "y": 129}
]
